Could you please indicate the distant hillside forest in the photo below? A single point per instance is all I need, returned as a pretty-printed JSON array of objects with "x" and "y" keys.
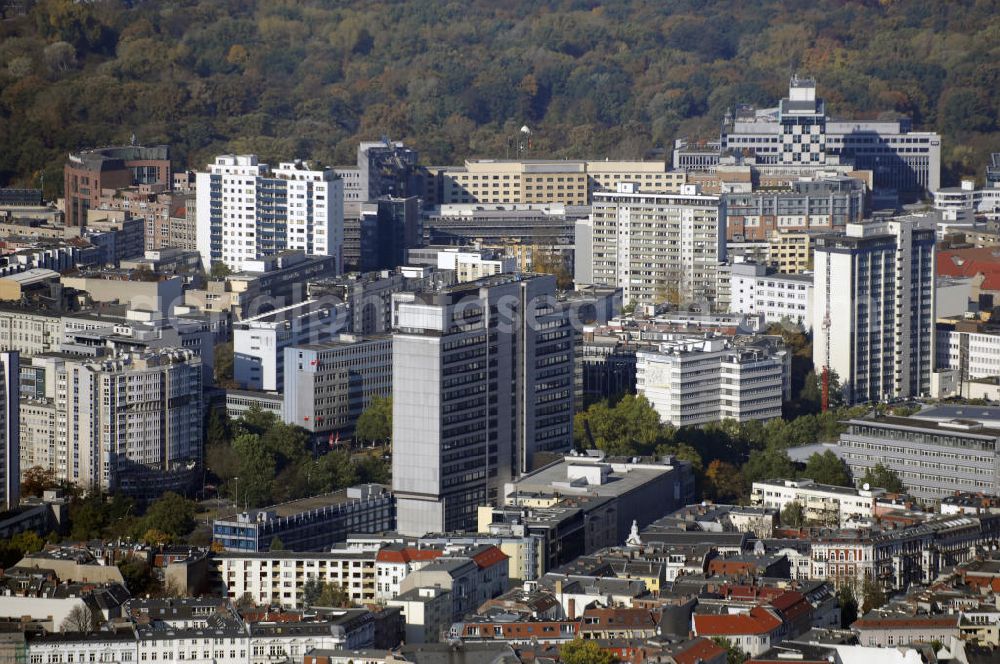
[{"x": 457, "y": 78}]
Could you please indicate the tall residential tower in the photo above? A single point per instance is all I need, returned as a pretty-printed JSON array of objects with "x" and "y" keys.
[
  {"x": 873, "y": 308},
  {"x": 246, "y": 211}
]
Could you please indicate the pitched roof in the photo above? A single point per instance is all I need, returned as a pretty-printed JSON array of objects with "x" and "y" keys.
[
  {"x": 698, "y": 650},
  {"x": 970, "y": 262},
  {"x": 758, "y": 621},
  {"x": 406, "y": 555},
  {"x": 489, "y": 557},
  {"x": 910, "y": 622}
]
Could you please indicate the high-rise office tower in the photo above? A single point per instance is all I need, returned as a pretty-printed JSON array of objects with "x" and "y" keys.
[
  {"x": 873, "y": 308},
  {"x": 482, "y": 381},
  {"x": 246, "y": 211},
  {"x": 10, "y": 435}
]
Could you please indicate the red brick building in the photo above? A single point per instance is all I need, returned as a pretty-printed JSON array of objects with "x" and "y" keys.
[{"x": 89, "y": 173}]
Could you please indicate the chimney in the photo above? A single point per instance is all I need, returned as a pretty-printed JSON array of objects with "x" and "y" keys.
[{"x": 571, "y": 609}]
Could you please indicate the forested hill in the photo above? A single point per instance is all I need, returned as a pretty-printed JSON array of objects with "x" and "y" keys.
[{"x": 456, "y": 78}]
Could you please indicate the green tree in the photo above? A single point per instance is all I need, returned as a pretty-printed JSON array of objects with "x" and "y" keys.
[
  {"x": 584, "y": 651},
  {"x": 872, "y": 596},
  {"x": 336, "y": 470},
  {"x": 217, "y": 429},
  {"x": 768, "y": 464},
  {"x": 374, "y": 425},
  {"x": 828, "y": 468},
  {"x": 139, "y": 577},
  {"x": 371, "y": 470},
  {"x": 220, "y": 270},
  {"x": 883, "y": 477},
  {"x": 276, "y": 544},
  {"x": 792, "y": 515},
  {"x": 223, "y": 364},
  {"x": 629, "y": 428},
  {"x": 36, "y": 480},
  {"x": 723, "y": 481},
  {"x": 332, "y": 595},
  {"x": 848, "y": 606},
  {"x": 257, "y": 471},
  {"x": 172, "y": 514}
]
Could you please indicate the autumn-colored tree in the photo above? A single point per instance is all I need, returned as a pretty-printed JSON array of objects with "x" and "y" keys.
[{"x": 723, "y": 481}]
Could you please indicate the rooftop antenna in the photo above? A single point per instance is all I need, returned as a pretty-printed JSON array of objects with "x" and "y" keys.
[{"x": 133, "y": 141}]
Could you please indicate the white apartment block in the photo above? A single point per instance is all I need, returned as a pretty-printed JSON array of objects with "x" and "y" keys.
[
  {"x": 873, "y": 308},
  {"x": 821, "y": 503},
  {"x": 328, "y": 385},
  {"x": 259, "y": 342},
  {"x": 691, "y": 381},
  {"x": 130, "y": 423},
  {"x": 657, "y": 248},
  {"x": 472, "y": 265},
  {"x": 246, "y": 210},
  {"x": 777, "y": 297},
  {"x": 974, "y": 353},
  {"x": 278, "y": 577},
  {"x": 394, "y": 563}
]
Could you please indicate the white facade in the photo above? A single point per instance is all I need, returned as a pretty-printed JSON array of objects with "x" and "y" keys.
[
  {"x": 246, "y": 211},
  {"x": 657, "y": 247},
  {"x": 10, "y": 432},
  {"x": 471, "y": 265},
  {"x": 873, "y": 308},
  {"x": 973, "y": 355},
  {"x": 692, "y": 381},
  {"x": 778, "y": 297},
  {"x": 119, "y": 422},
  {"x": 259, "y": 342},
  {"x": 820, "y": 502},
  {"x": 278, "y": 577}
]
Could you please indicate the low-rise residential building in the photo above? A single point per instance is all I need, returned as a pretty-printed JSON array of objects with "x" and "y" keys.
[
  {"x": 395, "y": 562},
  {"x": 427, "y": 612},
  {"x": 821, "y": 503},
  {"x": 753, "y": 632},
  {"x": 472, "y": 577},
  {"x": 278, "y": 578},
  {"x": 890, "y": 630}
]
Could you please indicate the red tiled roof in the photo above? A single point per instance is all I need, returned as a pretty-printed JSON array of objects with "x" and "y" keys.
[
  {"x": 618, "y": 618},
  {"x": 758, "y": 621},
  {"x": 699, "y": 650},
  {"x": 407, "y": 555},
  {"x": 906, "y": 623},
  {"x": 489, "y": 557},
  {"x": 970, "y": 262}
]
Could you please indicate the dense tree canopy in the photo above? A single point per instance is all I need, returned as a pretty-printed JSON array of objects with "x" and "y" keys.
[
  {"x": 883, "y": 477},
  {"x": 828, "y": 468},
  {"x": 261, "y": 460},
  {"x": 455, "y": 79}
]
